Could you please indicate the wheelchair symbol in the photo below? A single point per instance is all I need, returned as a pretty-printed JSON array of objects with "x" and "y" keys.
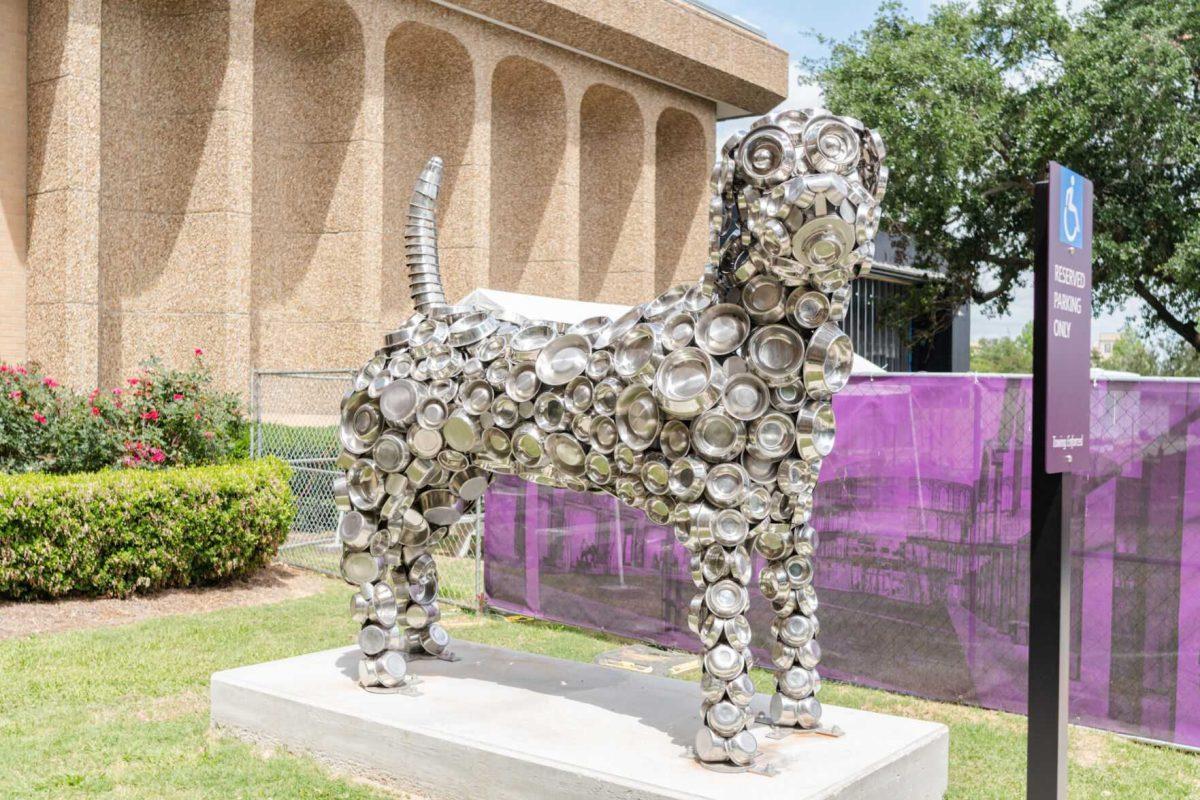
[{"x": 1070, "y": 220}]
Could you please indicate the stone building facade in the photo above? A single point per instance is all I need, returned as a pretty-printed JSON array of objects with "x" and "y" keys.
[{"x": 232, "y": 174}]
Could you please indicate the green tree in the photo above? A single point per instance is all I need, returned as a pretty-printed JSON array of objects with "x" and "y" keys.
[
  {"x": 1131, "y": 353},
  {"x": 976, "y": 101},
  {"x": 1004, "y": 354}
]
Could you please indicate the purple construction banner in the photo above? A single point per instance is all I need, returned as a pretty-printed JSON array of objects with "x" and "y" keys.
[{"x": 922, "y": 571}]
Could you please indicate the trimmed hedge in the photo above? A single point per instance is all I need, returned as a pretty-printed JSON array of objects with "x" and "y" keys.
[{"x": 114, "y": 533}]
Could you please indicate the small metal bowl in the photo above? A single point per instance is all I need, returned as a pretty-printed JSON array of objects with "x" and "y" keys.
[
  {"x": 823, "y": 242},
  {"x": 788, "y": 713},
  {"x": 398, "y": 401},
  {"x": 635, "y": 357},
  {"x": 529, "y": 445},
  {"x": 815, "y": 430},
  {"x": 440, "y": 506},
  {"x": 688, "y": 383},
  {"x": 522, "y": 382},
  {"x": 462, "y": 431},
  {"x": 829, "y": 362},
  {"x": 578, "y": 395},
  {"x": 724, "y": 661},
  {"x": 637, "y": 417},
  {"x": 470, "y": 483},
  {"x": 775, "y": 353},
  {"x": 504, "y": 411},
  {"x": 771, "y": 436},
  {"x": 360, "y": 423},
  {"x": 788, "y": 398},
  {"x": 566, "y": 454},
  {"x": 550, "y": 412},
  {"x": 773, "y": 540},
  {"x": 390, "y": 452},
  {"x": 476, "y": 396},
  {"x": 423, "y": 442},
  {"x": 763, "y": 298},
  {"x": 599, "y": 365},
  {"x": 656, "y": 476},
  {"x": 807, "y": 309},
  {"x": 729, "y": 527},
  {"x": 678, "y": 330},
  {"x": 589, "y": 327},
  {"x": 665, "y": 303},
  {"x": 364, "y": 481},
  {"x": 361, "y": 567},
  {"x": 387, "y": 670},
  {"x": 472, "y": 328},
  {"x": 619, "y": 327},
  {"x": 717, "y": 436},
  {"x": 432, "y": 413},
  {"x": 605, "y": 394},
  {"x": 598, "y": 468},
  {"x": 491, "y": 349},
  {"x": 726, "y": 599},
  {"x": 710, "y": 748},
  {"x": 355, "y": 530},
  {"x": 722, "y": 328},
  {"x": 725, "y": 719},
  {"x": 563, "y": 359},
  {"x": 745, "y": 397},
  {"x": 725, "y": 485},
  {"x": 686, "y": 478},
  {"x": 675, "y": 439},
  {"x": 526, "y": 343},
  {"x": 427, "y": 336},
  {"x": 604, "y": 433}
]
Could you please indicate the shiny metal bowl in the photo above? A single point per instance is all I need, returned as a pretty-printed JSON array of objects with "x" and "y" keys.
[
  {"x": 522, "y": 382},
  {"x": 563, "y": 359},
  {"x": 815, "y": 430},
  {"x": 745, "y": 397},
  {"x": 829, "y": 362},
  {"x": 678, "y": 330},
  {"x": 526, "y": 343},
  {"x": 398, "y": 401},
  {"x": 763, "y": 298},
  {"x": 722, "y": 328},
  {"x": 635, "y": 356},
  {"x": 688, "y": 383},
  {"x": 808, "y": 309},
  {"x": 725, "y": 485},
  {"x": 775, "y": 353},
  {"x": 717, "y": 436},
  {"x": 566, "y": 454},
  {"x": 771, "y": 436},
  {"x": 637, "y": 417},
  {"x": 675, "y": 439}
]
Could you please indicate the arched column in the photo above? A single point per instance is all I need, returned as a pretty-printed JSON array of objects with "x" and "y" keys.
[
  {"x": 533, "y": 245},
  {"x": 429, "y": 109},
  {"x": 615, "y": 222},
  {"x": 682, "y": 159},
  {"x": 315, "y": 299}
]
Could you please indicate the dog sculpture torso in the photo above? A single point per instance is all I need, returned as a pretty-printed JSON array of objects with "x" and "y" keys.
[{"x": 707, "y": 407}]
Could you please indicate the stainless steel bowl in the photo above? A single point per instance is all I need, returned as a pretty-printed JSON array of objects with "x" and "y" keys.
[
  {"x": 686, "y": 478},
  {"x": 637, "y": 417},
  {"x": 726, "y": 598},
  {"x": 504, "y": 411},
  {"x": 563, "y": 359},
  {"x": 656, "y": 476},
  {"x": 729, "y": 527},
  {"x": 387, "y": 670},
  {"x": 788, "y": 713},
  {"x": 725, "y": 718},
  {"x": 476, "y": 396},
  {"x": 722, "y": 328},
  {"x": 619, "y": 327},
  {"x": 360, "y": 422},
  {"x": 599, "y": 365},
  {"x": 355, "y": 529},
  {"x": 741, "y": 748},
  {"x": 566, "y": 454},
  {"x": 398, "y": 401},
  {"x": 794, "y": 631},
  {"x": 745, "y": 396},
  {"x": 763, "y": 298},
  {"x": 423, "y": 442},
  {"x": 675, "y": 439},
  {"x": 578, "y": 395},
  {"x": 390, "y": 452},
  {"x": 605, "y": 394},
  {"x": 361, "y": 567},
  {"x": 766, "y": 156},
  {"x": 529, "y": 445},
  {"x": 796, "y": 682},
  {"x": 604, "y": 433},
  {"x": 717, "y": 436},
  {"x": 598, "y": 468},
  {"x": 831, "y": 145},
  {"x": 636, "y": 355},
  {"x": 550, "y": 412},
  {"x": 775, "y": 353},
  {"x": 590, "y": 327},
  {"x": 678, "y": 330},
  {"x": 470, "y": 484},
  {"x": 725, "y": 485},
  {"x": 688, "y": 383},
  {"x": 771, "y": 436},
  {"x": 522, "y": 382},
  {"x": 471, "y": 328},
  {"x": 710, "y": 748},
  {"x": 440, "y": 506},
  {"x": 526, "y": 343},
  {"x": 815, "y": 430},
  {"x": 807, "y": 309},
  {"x": 432, "y": 413},
  {"x": 829, "y": 362},
  {"x": 365, "y": 483},
  {"x": 724, "y": 662}
]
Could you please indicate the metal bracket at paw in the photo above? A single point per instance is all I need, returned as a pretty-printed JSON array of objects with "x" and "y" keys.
[
  {"x": 777, "y": 732},
  {"x": 408, "y": 688},
  {"x": 760, "y": 765}
]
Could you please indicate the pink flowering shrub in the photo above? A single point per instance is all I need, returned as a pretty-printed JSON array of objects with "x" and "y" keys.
[{"x": 158, "y": 418}]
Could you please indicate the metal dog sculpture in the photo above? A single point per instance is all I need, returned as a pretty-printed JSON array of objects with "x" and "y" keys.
[{"x": 707, "y": 407}]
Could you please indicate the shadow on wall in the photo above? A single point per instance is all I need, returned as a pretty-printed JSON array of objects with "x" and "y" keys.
[
  {"x": 308, "y": 87},
  {"x": 162, "y": 66},
  {"x": 613, "y": 229},
  {"x": 681, "y": 166},
  {"x": 529, "y": 138},
  {"x": 429, "y": 109}
]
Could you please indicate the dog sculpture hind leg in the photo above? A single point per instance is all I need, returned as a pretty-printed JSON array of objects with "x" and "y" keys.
[{"x": 707, "y": 407}]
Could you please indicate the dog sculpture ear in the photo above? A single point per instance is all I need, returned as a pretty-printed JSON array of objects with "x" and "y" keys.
[{"x": 420, "y": 240}]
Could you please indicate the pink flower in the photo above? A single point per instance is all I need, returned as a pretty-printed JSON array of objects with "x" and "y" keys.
[
  {"x": 132, "y": 381},
  {"x": 93, "y": 394},
  {"x": 209, "y": 434},
  {"x": 21, "y": 371},
  {"x": 178, "y": 396},
  {"x": 197, "y": 415},
  {"x": 199, "y": 352},
  {"x": 150, "y": 415},
  {"x": 157, "y": 456},
  {"x": 49, "y": 383},
  {"x": 5, "y": 368},
  {"x": 15, "y": 394},
  {"x": 95, "y": 411},
  {"x": 117, "y": 392},
  {"x": 40, "y": 419}
]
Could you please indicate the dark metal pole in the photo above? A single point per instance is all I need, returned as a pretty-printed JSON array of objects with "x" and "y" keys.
[{"x": 1049, "y": 563}]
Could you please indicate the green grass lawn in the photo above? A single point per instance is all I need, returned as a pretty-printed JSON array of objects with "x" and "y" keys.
[{"x": 123, "y": 713}]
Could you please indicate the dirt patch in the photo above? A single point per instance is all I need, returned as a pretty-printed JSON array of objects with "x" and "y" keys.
[{"x": 270, "y": 585}]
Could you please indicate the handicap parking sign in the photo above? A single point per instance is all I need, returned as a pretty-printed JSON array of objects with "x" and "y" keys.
[{"x": 1070, "y": 208}]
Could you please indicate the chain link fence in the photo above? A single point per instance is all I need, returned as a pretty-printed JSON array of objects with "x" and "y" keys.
[{"x": 294, "y": 417}]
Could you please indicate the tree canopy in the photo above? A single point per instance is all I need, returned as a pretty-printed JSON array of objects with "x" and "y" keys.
[{"x": 975, "y": 102}]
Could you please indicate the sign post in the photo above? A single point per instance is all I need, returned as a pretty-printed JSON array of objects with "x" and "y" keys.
[{"x": 1062, "y": 314}]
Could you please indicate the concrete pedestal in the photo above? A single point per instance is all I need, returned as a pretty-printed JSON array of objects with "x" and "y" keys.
[{"x": 502, "y": 724}]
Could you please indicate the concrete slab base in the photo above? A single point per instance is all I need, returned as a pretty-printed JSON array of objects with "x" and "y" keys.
[{"x": 502, "y": 724}]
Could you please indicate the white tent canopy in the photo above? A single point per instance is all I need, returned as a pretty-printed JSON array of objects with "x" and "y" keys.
[{"x": 535, "y": 307}]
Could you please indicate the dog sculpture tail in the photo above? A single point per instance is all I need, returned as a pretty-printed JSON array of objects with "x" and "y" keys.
[{"x": 420, "y": 241}]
